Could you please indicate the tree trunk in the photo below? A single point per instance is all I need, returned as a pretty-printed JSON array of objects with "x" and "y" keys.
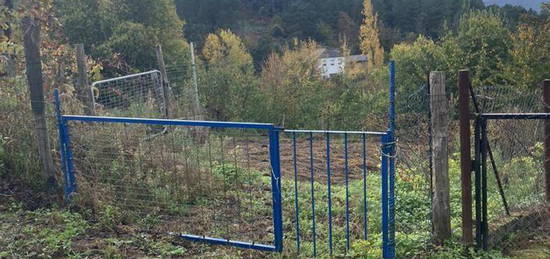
[{"x": 31, "y": 40}]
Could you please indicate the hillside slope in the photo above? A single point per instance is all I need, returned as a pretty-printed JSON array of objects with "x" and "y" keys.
[{"x": 528, "y": 4}]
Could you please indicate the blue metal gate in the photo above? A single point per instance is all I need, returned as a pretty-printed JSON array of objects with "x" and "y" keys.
[
  {"x": 71, "y": 173},
  {"x": 157, "y": 128}
]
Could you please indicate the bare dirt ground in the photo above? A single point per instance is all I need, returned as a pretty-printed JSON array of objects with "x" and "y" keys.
[{"x": 254, "y": 155}]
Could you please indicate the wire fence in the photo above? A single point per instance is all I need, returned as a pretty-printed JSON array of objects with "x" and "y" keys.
[
  {"x": 414, "y": 162},
  {"x": 135, "y": 95},
  {"x": 18, "y": 138},
  {"x": 515, "y": 155},
  {"x": 183, "y": 97},
  {"x": 214, "y": 183}
]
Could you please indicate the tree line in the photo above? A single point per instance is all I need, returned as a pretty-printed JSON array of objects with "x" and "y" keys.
[{"x": 282, "y": 85}]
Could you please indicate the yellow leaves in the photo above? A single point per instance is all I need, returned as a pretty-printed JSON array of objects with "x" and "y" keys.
[
  {"x": 297, "y": 65},
  {"x": 95, "y": 72},
  {"x": 213, "y": 49},
  {"x": 369, "y": 36},
  {"x": 226, "y": 47},
  {"x": 529, "y": 55},
  {"x": 235, "y": 49}
]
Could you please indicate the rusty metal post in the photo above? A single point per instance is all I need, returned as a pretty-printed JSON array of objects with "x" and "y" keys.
[
  {"x": 546, "y": 92},
  {"x": 465, "y": 155}
]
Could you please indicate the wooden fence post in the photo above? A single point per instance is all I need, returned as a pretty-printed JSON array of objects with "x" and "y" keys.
[
  {"x": 546, "y": 91},
  {"x": 83, "y": 86},
  {"x": 465, "y": 155},
  {"x": 441, "y": 212},
  {"x": 165, "y": 82},
  {"x": 31, "y": 42},
  {"x": 196, "y": 103}
]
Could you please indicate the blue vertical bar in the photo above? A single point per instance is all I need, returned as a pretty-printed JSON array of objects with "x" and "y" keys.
[
  {"x": 312, "y": 170},
  {"x": 329, "y": 195},
  {"x": 346, "y": 174},
  {"x": 391, "y": 157},
  {"x": 64, "y": 147},
  {"x": 365, "y": 207},
  {"x": 391, "y": 195},
  {"x": 69, "y": 161},
  {"x": 275, "y": 159},
  {"x": 384, "y": 190},
  {"x": 296, "y": 206}
]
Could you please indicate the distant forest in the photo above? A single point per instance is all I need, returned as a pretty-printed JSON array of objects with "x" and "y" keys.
[
  {"x": 528, "y": 4},
  {"x": 268, "y": 25}
]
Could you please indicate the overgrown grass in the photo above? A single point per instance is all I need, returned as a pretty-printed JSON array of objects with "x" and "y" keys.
[
  {"x": 132, "y": 171},
  {"x": 413, "y": 222},
  {"x": 55, "y": 232}
]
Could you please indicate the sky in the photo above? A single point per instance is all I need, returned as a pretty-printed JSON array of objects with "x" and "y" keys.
[{"x": 533, "y": 4}]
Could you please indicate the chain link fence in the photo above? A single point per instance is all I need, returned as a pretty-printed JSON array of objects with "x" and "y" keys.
[{"x": 516, "y": 156}]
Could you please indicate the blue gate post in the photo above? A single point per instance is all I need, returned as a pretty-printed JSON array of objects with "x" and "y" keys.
[
  {"x": 388, "y": 175},
  {"x": 384, "y": 192},
  {"x": 64, "y": 150},
  {"x": 275, "y": 159}
]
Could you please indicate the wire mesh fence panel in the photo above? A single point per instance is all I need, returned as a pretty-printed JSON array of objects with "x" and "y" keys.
[
  {"x": 137, "y": 95},
  {"x": 517, "y": 147},
  {"x": 183, "y": 97},
  {"x": 414, "y": 165},
  {"x": 211, "y": 185},
  {"x": 515, "y": 156},
  {"x": 413, "y": 131},
  {"x": 508, "y": 99}
]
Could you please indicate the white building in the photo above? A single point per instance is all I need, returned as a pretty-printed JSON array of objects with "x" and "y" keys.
[{"x": 331, "y": 62}]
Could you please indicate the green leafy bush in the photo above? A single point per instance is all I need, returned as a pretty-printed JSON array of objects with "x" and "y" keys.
[{"x": 231, "y": 174}]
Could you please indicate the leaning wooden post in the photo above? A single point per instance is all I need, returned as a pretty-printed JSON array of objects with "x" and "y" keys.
[
  {"x": 165, "y": 82},
  {"x": 85, "y": 93},
  {"x": 465, "y": 155},
  {"x": 31, "y": 42},
  {"x": 546, "y": 91},
  {"x": 441, "y": 212}
]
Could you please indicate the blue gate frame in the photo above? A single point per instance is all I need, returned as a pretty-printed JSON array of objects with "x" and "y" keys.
[
  {"x": 388, "y": 148},
  {"x": 71, "y": 185}
]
